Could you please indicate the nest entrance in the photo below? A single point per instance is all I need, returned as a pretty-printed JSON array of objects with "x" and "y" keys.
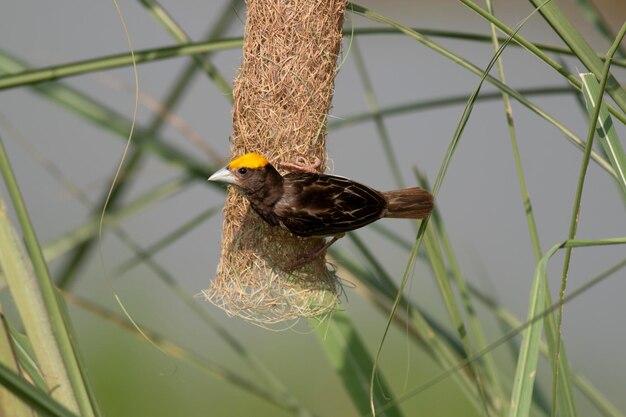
[{"x": 252, "y": 282}]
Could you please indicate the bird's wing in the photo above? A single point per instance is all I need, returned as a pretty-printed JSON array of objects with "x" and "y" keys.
[{"x": 322, "y": 205}]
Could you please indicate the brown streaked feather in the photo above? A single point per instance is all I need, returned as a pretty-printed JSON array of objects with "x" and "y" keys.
[
  {"x": 323, "y": 205},
  {"x": 408, "y": 203}
]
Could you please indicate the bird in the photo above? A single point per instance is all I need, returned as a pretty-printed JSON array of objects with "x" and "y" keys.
[{"x": 309, "y": 203}]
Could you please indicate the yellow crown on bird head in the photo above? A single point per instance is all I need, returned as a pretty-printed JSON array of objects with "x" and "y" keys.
[{"x": 250, "y": 160}]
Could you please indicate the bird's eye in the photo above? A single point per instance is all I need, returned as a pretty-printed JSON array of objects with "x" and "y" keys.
[{"x": 242, "y": 171}]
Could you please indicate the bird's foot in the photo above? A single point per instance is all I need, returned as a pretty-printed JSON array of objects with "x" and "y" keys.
[
  {"x": 312, "y": 255},
  {"x": 301, "y": 165}
]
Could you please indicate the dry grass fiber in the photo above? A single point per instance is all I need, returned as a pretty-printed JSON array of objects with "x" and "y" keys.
[{"x": 282, "y": 95}]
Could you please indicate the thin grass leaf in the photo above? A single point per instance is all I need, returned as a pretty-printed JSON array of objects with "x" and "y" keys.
[
  {"x": 352, "y": 362},
  {"x": 591, "y": 12},
  {"x": 605, "y": 130},
  {"x": 33, "y": 396},
  {"x": 583, "y": 51},
  {"x": 34, "y": 76},
  {"x": 496, "y": 391},
  {"x": 10, "y": 405},
  {"x": 438, "y": 182},
  {"x": 23, "y": 351},
  {"x": 370, "y": 287},
  {"x": 445, "y": 164},
  {"x": 440, "y": 272},
  {"x": 430, "y": 104},
  {"x": 530, "y": 218},
  {"x": 475, "y": 37},
  {"x": 524, "y": 381},
  {"x": 41, "y": 311},
  {"x": 564, "y": 382}
]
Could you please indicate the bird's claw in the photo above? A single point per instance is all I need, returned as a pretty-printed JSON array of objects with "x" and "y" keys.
[
  {"x": 302, "y": 166},
  {"x": 313, "y": 255}
]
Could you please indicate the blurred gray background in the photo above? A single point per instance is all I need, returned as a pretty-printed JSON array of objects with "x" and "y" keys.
[{"x": 480, "y": 198}]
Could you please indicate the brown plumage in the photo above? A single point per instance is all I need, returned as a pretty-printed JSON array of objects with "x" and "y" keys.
[{"x": 315, "y": 204}]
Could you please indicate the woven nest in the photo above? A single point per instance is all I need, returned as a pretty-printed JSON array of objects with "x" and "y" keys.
[{"x": 282, "y": 95}]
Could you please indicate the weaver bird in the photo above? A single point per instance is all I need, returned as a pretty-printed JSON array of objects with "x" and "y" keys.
[{"x": 310, "y": 203}]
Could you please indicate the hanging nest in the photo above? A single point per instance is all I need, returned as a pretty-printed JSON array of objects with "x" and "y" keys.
[{"x": 282, "y": 95}]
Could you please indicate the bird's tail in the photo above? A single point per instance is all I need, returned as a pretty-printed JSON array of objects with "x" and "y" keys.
[{"x": 408, "y": 203}]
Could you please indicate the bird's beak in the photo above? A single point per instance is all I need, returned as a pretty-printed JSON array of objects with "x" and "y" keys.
[{"x": 223, "y": 175}]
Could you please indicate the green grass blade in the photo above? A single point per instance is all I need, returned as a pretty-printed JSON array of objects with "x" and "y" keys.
[
  {"x": 435, "y": 257},
  {"x": 497, "y": 397},
  {"x": 25, "y": 356},
  {"x": 475, "y": 37},
  {"x": 430, "y": 104},
  {"x": 562, "y": 383},
  {"x": 583, "y": 51},
  {"x": 353, "y": 363},
  {"x": 10, "y": 405},
  {"x": 524, "y": 380},
  {"x": 591, "y": 12},
  {"x": 370, "y": 289},
  {"x": 40, "y": 308},
  {"x": 35, "y": 397},
  {"x": 605, "y": 130},
  {"x": 438, "y": 182},
  {"x": 34, "y": 76},
  {"x": 508, "y": 113}
]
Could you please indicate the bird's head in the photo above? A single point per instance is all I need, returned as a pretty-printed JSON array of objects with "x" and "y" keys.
[{"x": 248, "y": 172}]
